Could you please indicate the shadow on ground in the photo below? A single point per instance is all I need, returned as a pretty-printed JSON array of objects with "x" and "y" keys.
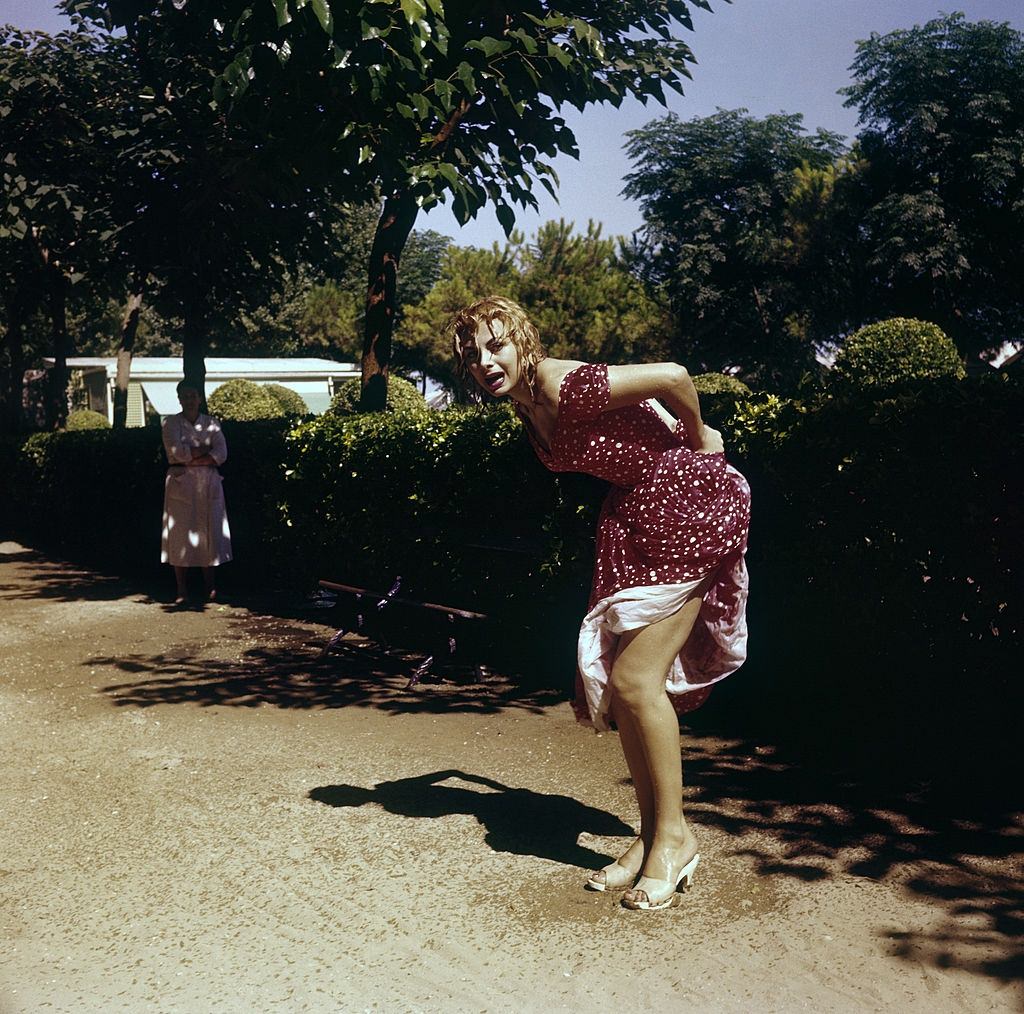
[
  {"x": 792, "y": 812},
  {"x": 797, "y": 819},
  {"x": 287, "y": 671},
  {"x": 518, "y": 821},
  {"x": 62, "y": 582},
  {"x": 792, "y": 820}
]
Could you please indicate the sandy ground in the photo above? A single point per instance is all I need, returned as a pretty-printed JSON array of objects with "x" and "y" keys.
[{"x": 198, "y": 818}]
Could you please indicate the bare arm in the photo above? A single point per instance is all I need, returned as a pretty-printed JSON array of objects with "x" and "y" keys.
[{"x": 670, "y": 383}]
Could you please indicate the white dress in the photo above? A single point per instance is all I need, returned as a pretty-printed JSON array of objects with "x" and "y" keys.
[{"x": 195, "y": 529}]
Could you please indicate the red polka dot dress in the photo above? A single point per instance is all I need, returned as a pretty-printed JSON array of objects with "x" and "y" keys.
[{"x": 673, "y": 524}]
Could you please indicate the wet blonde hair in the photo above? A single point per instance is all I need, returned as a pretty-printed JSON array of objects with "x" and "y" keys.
[{"x": 518, "y": 329}]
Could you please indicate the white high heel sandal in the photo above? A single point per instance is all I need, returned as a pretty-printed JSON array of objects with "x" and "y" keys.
[
  {"x": 616, "y": 878},
  {"x": 659, "y": 894}
]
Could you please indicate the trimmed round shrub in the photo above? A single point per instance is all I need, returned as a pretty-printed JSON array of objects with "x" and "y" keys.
[
  {"x": 720, "y": 383},
  {"x": 242, "y": 401},
  {"x": 87, "y": 419},
  {"x": 403, "y": 396},
  {"x": 291, "y": 402},
  {"x": 896, "y": 350}
]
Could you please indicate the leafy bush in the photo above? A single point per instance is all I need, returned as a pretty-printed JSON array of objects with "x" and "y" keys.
[
  {"x": 403, "y": 396},
  {"x": 87, "y": 419},
  {"x": 291, "y": 402},
  {"x": 720, "y": 383},
  {"x": 375, "y": 494},
  {"x": 92, "y": 495},
  {"x": 896, "y": 351},
  {"x": 885, "y": 553},
  {"x": 243, "y": 401}
]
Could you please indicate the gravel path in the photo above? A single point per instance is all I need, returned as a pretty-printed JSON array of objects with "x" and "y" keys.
[{"x": 197, "y": 818}]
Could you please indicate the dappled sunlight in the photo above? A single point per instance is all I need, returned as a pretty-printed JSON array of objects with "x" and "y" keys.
[
  {"x": 794, "y": 818},
  {"x": 292, "y": 674},
  {"x": 60, "y": 582}
]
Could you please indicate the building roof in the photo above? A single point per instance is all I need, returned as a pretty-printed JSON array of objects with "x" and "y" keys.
[{"x": 226, "y": 367}]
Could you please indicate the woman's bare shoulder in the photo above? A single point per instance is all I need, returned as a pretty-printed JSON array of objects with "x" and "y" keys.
[{"x": 551, "y": 373}]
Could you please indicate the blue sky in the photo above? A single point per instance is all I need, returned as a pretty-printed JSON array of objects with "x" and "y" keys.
[{"x": 786, "y": 55}]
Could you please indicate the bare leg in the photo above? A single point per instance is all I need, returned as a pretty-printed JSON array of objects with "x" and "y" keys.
[
  {"x": 644, "y": 710},
  {"x": 181, "y": 580},
  {"x": 632, "y": 859}
]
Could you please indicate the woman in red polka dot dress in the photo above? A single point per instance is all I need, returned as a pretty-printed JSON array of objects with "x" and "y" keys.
[{"x": 667, "y": 608}]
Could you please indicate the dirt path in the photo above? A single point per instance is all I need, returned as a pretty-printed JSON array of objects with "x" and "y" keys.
[{"x": 197, "y": 819}]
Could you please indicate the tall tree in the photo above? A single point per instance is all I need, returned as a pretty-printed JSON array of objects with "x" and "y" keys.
[
  {"x": 319, "y": 308},
  {"x": 58, "y": 98},
  {"x": 584, "y": 299},
  {"x": 22, "y": 294},
  {"x": 211, "y": 213},
  {"x": 825, "y": 254},
  {"x": 714, "y": 192},
  {"x": 575, "y": 287},
  {"x": 423, "y": 100},
  {"x": 942, "y": 109}
]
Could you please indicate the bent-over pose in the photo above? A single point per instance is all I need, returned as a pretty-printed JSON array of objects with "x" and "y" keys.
[{"x": 667, "y": 607}]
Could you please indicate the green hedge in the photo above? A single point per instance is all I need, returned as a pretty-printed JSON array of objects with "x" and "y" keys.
[
  {"x": 243, "y": 400},
  {"x": 290, "y": 402},
  {"x": 885, "y": 550},
  {"x": 886, "y": 560},
  {"x": 403, "y": 396},
  {"x": 720, "y": 383},
  {"x": 895, "y": 351},
  {"x": 86, "y": 419}
]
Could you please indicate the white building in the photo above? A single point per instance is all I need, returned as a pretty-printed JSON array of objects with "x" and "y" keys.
[{"x": 154, "y": 378}]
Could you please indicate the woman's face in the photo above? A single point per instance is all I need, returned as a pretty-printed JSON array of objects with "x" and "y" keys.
[
  {"x": 188, "y": 398},
  {"x": 492, "y": 360}
]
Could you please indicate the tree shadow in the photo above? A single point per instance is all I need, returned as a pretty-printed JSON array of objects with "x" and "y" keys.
[
  {"x": 960, "y": 853},
  {"x": 66, "y": 582},
  {"x": 57, "y": 579},
  {"x": 799, "y": 815},
  {"x": 516, "y": 821},
  {"x": 292, "y": 674}
]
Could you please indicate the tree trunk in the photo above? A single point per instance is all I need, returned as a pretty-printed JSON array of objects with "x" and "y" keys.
[
  {"x": 17, "y": 308},
  {"x": 129, "y": 327},
  {"x": 761, "y": 314},
  {"x": 396, "y": 222},
  {"x": 57, "y": 394},
  {"x": 194, "y": 340}
]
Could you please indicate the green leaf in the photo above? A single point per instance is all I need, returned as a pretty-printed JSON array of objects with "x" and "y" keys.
[
  {"x": 322, "y": 10},
  {"x": 506, "y": 216},
  {"x": 465, "y": 73},
  {"x": 281, "y": 11},
  {"x": 528, "y": 41},
  {"x": 450, "y": 173},
  {"x": 414, "y": 10},
  {"x": 489, "y": 46},
  {"x": 443, "y": 90},
  {"x": 559, "y": 54}
]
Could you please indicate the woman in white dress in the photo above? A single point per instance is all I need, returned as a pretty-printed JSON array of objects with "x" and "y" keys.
[{"x": 195, "y": 529}]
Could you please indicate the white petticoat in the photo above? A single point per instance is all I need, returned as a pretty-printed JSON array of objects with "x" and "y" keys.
[{"x": 716, "y": 648}]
